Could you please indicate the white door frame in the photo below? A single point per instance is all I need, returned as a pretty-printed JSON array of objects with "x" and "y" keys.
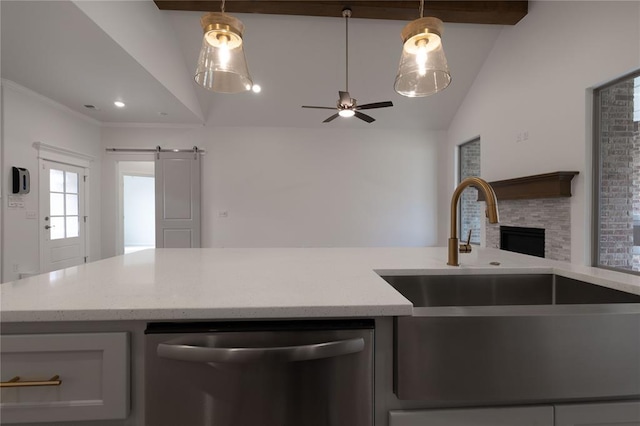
[
  {"x": 65, "y": 156},
  {"x": 111, "y": 205},
  {"x": 121, "y": 174}
]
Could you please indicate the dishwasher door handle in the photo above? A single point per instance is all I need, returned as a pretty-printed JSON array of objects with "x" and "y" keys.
[{"x": 183, "y": 352}]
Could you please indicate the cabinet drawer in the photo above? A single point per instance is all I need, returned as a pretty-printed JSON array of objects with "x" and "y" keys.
[
  {"x": 521, "y": 416},
  {"x": 600, "y": 414},
  {"x": 93, "y": 370}
]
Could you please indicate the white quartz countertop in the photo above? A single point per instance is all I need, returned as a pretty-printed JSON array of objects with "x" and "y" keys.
[{"x": 179, "y": 284}]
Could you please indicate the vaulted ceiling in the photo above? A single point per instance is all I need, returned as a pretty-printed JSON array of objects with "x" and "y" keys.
[{"x": 99, "y": 51}]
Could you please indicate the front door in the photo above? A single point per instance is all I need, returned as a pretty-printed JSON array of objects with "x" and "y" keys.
[{"x": 62, "y": 216}]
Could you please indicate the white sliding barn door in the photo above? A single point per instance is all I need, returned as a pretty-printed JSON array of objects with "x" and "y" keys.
[{"x": 177, "y": 199}]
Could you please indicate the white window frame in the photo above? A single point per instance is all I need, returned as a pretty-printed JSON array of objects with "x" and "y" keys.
[{"x": 462, "y": 236}]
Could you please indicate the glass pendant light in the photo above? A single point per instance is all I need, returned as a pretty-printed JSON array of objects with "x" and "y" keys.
[
  {"x": 423, "y": 68},
  {"x": 222, "y": 66}
]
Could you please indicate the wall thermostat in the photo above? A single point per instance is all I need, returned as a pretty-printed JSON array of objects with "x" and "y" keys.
[{"x": 21, "y": 180}]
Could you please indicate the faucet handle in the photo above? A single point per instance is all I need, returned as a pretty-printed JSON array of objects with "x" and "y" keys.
[{"x": 466, "y": 247}]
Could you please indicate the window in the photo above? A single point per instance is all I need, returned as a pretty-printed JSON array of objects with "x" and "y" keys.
[
  {"x": 636, "y": 99},
  {"x": 470, "y": 209},
  {"x": 617, "y": 175},
  {"x": 63, "y": 204}
]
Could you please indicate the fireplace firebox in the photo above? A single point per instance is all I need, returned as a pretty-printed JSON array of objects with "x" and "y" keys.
[{"x": 522, "y": 240}]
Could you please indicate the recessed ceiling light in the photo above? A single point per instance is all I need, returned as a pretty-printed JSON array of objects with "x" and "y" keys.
[
  {"x": 119, "y": 104},
  {"x": 93, "y": 107},
  {"x": 163, "y": 114},
  {"x": 256, "y": 88}
]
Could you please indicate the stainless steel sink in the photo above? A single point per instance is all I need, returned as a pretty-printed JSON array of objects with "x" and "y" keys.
[
  {"x": 496, "y": 290},
  {"x": 515, "y": 339}
]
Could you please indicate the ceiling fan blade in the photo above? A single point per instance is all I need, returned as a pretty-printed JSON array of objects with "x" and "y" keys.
[
  {"x": 365, "y": 117},
  {"x": 376, "y": 105},
  {"x": 345, "y": 98},
  {"x": 333, "y": 117},
  {"x": 317, "y": 107}
]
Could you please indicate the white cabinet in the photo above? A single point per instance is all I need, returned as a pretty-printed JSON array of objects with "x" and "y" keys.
[
  {"x": 512, "y": 416},
  {"x": 92, "y": 377},
  {"x": 604, "y": 414}
]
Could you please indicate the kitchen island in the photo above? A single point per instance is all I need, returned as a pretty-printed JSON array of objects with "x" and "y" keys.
[
  {"x": 181, "y": 284},
  {"x": 124, "y": 293}
]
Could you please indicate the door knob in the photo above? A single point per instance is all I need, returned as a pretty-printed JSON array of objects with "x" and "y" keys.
[{"x": 49, "y": 226}]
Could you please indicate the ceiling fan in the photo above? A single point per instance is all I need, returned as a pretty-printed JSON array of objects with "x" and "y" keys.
[{"x": 347, "y": 106}]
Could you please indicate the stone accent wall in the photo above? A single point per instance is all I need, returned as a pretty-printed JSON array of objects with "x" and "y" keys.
[
  {"x": 470, "y": 209},
  {"x": 635, "y": 264},
  {"x": 618, "y": 140},
  {"x": 551, "y": 214}
]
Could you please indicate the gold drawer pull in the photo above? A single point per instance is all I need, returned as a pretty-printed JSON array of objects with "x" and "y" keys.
[{"x": 16, "y": 383}]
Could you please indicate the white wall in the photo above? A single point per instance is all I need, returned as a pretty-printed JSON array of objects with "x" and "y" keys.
[
  {"x": 538, "y": 78},
  {"x": 299, "y": 187},
  {"x": 29, "y": 118}
]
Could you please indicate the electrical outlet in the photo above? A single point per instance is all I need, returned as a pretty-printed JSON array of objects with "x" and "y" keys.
[
  {"x": 522, "y": 136},
  {"x": 15, "y": 267},
  {"x": 223, "y": 213}
]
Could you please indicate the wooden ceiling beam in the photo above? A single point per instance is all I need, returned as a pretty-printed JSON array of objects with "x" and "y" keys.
[{"x": 466, "y": 12}]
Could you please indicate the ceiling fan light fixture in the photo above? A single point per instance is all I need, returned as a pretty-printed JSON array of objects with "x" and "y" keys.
[
  {"x": 346, "y": 113},
  {"x": 423, "y": 68},
  {"x": 222, "y": 66},
  {"x": 346, "y": 105}
]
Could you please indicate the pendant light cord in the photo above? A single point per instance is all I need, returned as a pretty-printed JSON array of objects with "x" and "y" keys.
[
  {"x": 421, "y": 8},
  {"x": 222, "y": 6}
]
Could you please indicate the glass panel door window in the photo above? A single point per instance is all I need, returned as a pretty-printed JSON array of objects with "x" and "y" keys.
[{"x": 63, "y": 204}]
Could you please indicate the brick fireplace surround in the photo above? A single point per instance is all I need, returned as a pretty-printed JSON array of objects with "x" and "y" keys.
[
  {"x": 540, "y": 201},
  {"x": 551, "y": 214}
]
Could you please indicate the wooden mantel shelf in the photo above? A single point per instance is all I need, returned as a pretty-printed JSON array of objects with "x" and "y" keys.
[{"x": 548, "y": 185}]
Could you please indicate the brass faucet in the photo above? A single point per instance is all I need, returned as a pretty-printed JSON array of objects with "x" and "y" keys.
[{"x": 491, "y": 212}]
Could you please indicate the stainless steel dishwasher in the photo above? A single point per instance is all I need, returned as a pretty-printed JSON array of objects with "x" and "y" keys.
[{"x": 266, "y": 373}]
